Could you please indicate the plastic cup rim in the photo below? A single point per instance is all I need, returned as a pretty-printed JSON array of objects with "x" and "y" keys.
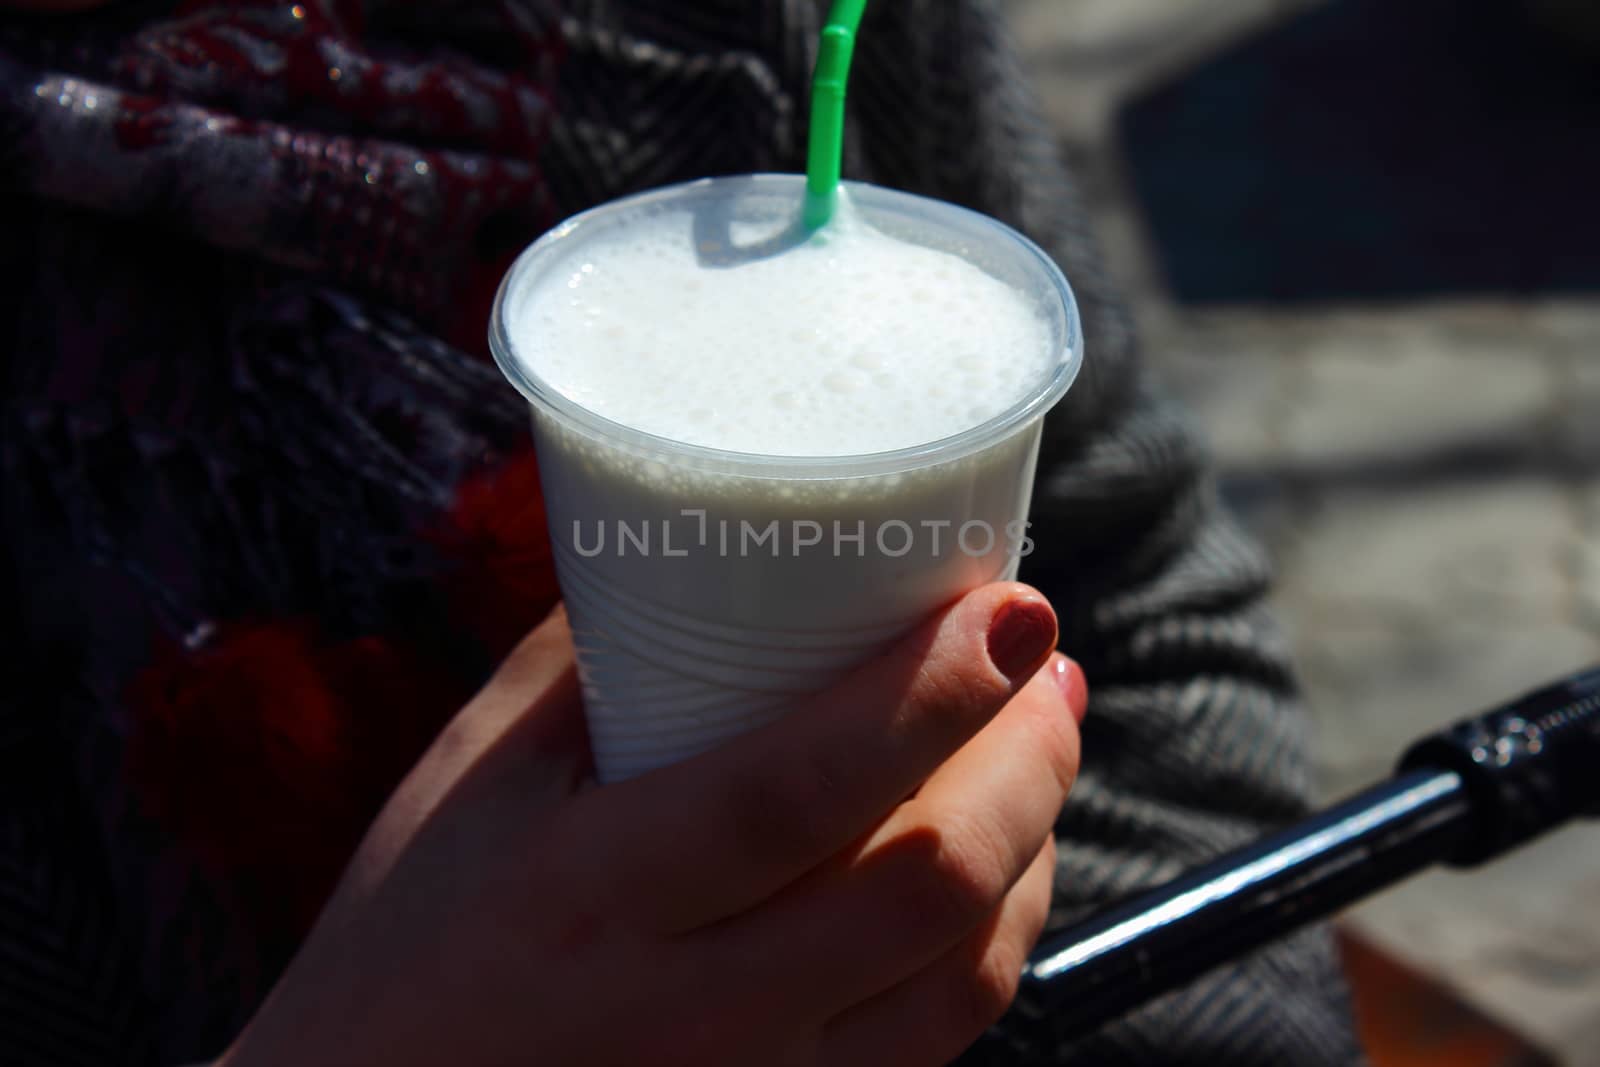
[{"x": 991, "y": 431}]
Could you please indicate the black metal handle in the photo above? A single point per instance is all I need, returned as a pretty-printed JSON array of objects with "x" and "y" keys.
[
  {"x": 1528, "y": 766},
  {"x": 1461, "y": 796}
]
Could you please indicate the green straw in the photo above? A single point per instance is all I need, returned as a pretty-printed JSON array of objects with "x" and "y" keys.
[{"x": 828, "y": 84}]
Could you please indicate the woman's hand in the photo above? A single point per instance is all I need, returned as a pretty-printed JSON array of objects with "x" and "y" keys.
[{"x": 858, "y": 883}]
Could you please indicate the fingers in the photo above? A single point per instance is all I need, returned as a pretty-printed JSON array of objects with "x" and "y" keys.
[
  {"x": 935, "y": 1014},
  {"x": 717, "y": 834},
  {"x": 1068, "y": 678},
  {"x": 925, "y": 877},
  {"x": 1008, "y": 784}
]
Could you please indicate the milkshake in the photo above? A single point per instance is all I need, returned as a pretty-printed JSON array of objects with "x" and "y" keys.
[{"x": 767, "y": 453}]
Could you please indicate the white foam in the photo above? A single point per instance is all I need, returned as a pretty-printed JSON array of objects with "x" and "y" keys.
[{"x": 853, "y": 342}]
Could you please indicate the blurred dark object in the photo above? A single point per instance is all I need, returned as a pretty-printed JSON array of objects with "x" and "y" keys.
[
  {"x": 1579, "y": 20},
  {"x": 1407, "y": 1020},
  {"x": 1368, "y": 150},
  {"x": 1462, "y": 796}
]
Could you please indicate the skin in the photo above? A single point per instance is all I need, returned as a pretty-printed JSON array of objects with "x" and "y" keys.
[{"x": 858, "y": 883}]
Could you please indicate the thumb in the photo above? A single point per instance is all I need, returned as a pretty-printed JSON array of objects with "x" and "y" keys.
[
  {"x": 524, "y": 730},
  {"x": 531, "y": 705}
]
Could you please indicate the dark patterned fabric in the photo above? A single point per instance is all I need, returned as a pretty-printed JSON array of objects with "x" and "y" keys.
[{"x": 251, "y": 456}]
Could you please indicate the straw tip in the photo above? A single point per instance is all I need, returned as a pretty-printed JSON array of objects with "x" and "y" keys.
[{"x": 819, "y": 207}]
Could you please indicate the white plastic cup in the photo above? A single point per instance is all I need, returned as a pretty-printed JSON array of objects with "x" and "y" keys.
[{"x": 695, "y": 618}]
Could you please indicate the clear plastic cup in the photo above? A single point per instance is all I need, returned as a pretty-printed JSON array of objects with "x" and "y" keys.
[{"x": 690, "y": 626}]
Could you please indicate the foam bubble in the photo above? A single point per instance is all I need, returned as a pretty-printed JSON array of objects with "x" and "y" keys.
[{"x": 852, "y": 343}]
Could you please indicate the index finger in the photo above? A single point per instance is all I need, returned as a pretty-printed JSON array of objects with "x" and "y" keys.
[{"x": 690, "y": 844}]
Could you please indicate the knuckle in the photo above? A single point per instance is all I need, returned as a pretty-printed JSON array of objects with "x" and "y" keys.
[
  {"x": 964, "y": 882},
  {"x": 951, "y": 698}
]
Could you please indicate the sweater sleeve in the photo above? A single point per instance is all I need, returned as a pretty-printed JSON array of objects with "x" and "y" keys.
[{"x": 1196, "y": 740}]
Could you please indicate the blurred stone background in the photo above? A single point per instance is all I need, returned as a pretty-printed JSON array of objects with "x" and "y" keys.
[{"x": 1391, "y": 335}]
